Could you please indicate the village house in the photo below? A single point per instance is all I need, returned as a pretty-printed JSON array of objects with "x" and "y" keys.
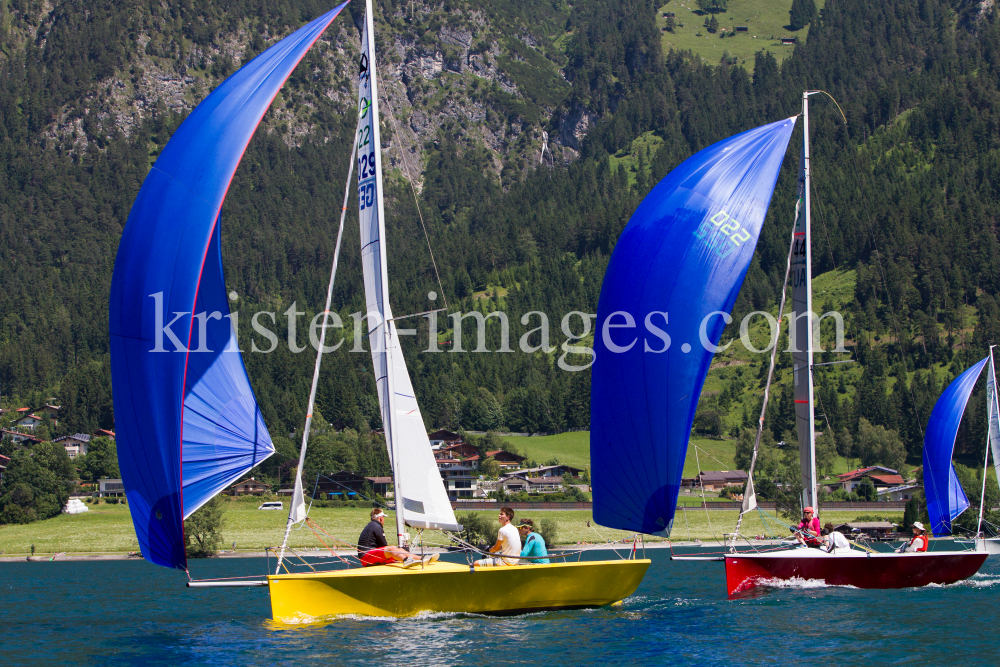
[
  {"x": 19, "y": 438},
  {"x": 110, "y": 487},
  {"x": 75, "y": 445},
  {"x": 459, "y": 450},
  {"x": 899, "y": 493},
  {"x": 550, "y": 471},
  {"x": 51, "y": 411},
  {"x": 469, "y": 455},
  {"x": 460, "y": 482},
  {"x": 506, "y": 460},
  {"x": 249, "y": 487},
  {"x": 520, "y": 482},
  {"x": 442, "y": 437},
  {"x": 882, "y": 478},
  {"x": 103, "y": 433},
  {"x": 716, "y": 480},
  {"x": 4, "y": 462},
  {"x": 29, "y": 421}
]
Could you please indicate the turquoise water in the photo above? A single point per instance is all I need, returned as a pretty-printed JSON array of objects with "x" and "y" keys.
[{"x": 133, "y": 613}]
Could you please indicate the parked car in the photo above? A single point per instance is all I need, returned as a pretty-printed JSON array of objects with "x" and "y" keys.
[{"x": 274, "y": 505}]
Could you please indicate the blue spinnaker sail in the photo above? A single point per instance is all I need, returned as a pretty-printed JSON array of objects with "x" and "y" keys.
[
  {"x": 673, "y": 277},
  {"x": 945, "y": 497},
  {"x": 186, "y": 418}
]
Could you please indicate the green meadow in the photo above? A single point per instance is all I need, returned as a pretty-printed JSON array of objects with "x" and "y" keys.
[{"x": 766, "y": 22}]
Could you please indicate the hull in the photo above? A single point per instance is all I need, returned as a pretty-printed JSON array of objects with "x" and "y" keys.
[
  {"x": 745, "y": 572},
  {"x": 386, "y": 590}
]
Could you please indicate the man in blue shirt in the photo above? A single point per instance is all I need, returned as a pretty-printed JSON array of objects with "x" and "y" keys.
[{"x": 534, "y": 544}]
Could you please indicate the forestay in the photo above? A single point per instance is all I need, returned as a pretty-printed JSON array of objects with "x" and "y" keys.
[
  {"x": 945, "y": 497},
  {"x": 187, "y": 420},
  {"x": 420, "y": 494},
  {"x": 678, "y": 267}
]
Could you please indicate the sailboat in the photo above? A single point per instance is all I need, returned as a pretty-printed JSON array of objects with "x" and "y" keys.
[
  {"x": 188, "y": 421},
  {"x": 683, "y": 257}
]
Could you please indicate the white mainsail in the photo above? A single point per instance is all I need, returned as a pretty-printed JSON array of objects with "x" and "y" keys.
[
  {"x": 801, "y": 325},
  {"x": 993, "y": 415},
  {"x": 421, "y": 500}
]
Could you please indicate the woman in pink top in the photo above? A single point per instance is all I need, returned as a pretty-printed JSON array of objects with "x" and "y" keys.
[{"x": 808, "y": 528}]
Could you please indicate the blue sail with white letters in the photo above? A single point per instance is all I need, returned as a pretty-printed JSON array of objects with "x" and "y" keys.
[
  {"x": 945, "y": 497},
  {"x": 671, "y": 282},
  {"x": 187, "y": 421}
]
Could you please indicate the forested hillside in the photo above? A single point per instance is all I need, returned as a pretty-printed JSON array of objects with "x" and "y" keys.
[{"x": 905, "y": 202}]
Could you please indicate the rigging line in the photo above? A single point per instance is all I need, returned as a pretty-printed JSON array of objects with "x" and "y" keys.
[
  {"x": 703, "y": 502},
  {"x": 319, "y": 352},
  {"x": 770, "y": 370},
  {"x": 888, "y": 298},
  {"x": 409, "y": 179},
  {"x": 605, "y": 541}
]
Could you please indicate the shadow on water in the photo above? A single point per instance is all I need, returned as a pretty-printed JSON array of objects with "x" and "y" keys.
[{"x": 130, "y": 612}]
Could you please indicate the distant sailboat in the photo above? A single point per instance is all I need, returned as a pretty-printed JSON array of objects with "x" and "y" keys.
[{"x": 189, "y": 424}]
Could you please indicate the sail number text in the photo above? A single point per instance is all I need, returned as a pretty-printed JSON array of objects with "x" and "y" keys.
[{"x": 719, "y": 229}]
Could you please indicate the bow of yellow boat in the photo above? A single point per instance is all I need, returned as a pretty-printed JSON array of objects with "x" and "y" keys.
[{"x": 389, "y": 590}]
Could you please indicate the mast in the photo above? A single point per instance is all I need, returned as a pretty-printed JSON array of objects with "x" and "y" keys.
[
  {"x": 801, "y": 328},
  {"x": 370, "y": 183}
]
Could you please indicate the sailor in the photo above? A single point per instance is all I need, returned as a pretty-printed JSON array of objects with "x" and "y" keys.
[
  {"x": 508, "y": 542},
  {"x": 834, "y": 539},
  {"x": 534, "y": 544},
  {"x": 374, "y": 550},
  {"x": 919, "y": 540},
  {"x": 807, "y": 532}
]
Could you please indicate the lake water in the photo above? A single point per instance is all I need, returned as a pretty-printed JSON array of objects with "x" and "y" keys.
[{"x": 133, "y": 613}]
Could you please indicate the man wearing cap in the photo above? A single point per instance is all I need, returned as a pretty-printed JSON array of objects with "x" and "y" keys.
[
  {"x": 534, "y": 544},
  {"x": 808, "y": 528},
  {"x": 919, "y": 540},
  {"x": 374, "y": 550}
]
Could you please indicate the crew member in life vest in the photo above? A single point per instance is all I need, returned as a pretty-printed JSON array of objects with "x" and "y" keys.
[{"x": 919, "y": 540}]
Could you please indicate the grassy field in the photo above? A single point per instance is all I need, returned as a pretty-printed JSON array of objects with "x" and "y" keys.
[
  {"x": 108, "y": 528},
  {"x": 766, "y": 21}
]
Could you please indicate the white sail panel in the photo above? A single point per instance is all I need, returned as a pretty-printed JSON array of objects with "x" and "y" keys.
[
  {"x": 993, "y": 415},
  {"x": 420, "y": 494},
  {"x": 801, "y": 333}
]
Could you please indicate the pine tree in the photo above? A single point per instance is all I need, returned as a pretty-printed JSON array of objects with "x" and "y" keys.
[{"x": 803, "y": 12}]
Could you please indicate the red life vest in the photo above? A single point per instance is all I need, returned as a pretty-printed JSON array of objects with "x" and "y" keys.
[{"x": 923, "y": 540}]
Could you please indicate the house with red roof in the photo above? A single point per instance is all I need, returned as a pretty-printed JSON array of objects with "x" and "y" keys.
[
  {"x": 29, "y": 421},
  {"x": 506, "y": 460},
  {"x": 881, "y": 477}
]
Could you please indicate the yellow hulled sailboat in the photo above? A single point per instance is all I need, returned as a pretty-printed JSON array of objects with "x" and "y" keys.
[{"x": 189, "y": 424}]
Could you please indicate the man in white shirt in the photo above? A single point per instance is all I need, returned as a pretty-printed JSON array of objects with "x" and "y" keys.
[
  {"x": 834, "y": 539},
  {"x": 508, "y": 542}
]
